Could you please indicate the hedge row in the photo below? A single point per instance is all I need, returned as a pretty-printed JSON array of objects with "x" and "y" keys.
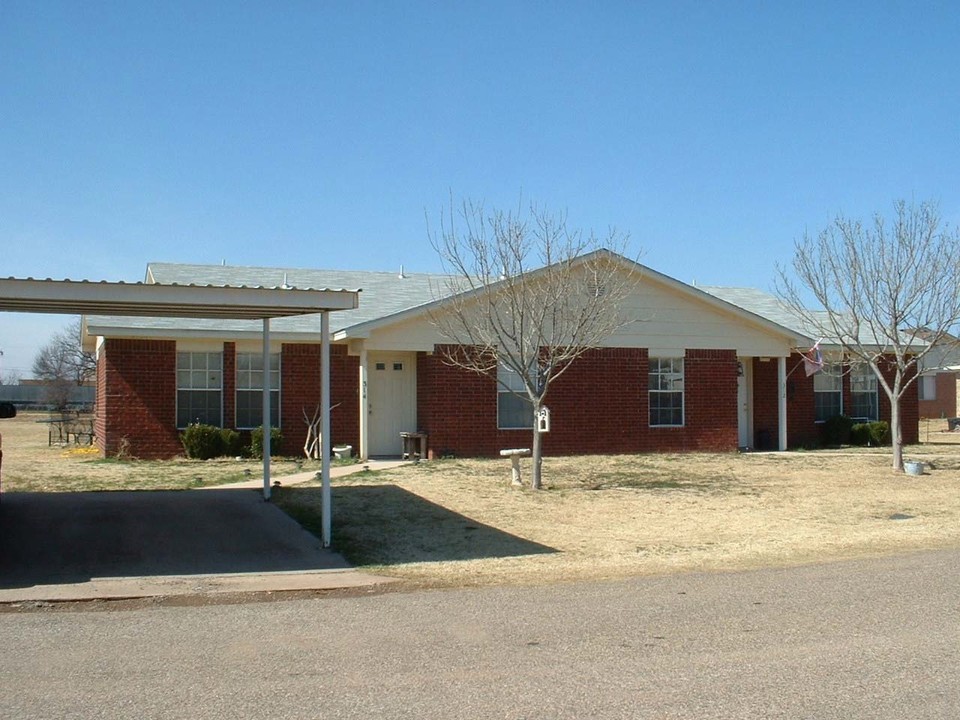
[{"x": 202, "y": 442}]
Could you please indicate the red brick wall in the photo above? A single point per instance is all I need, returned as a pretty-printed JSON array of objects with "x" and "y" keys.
[
  {"x": 599, "y": 405},
  {"x": 300, "y": 391},
  {"x": 458, "y": 410},
  {"x": 909, "y": 407},
  {"x": 802, "y": 428},
  {"x": 766, "y": 414},
  {"x": 945, "y": 402},
  {"x": 137, "y": 398},
  {"x": 229, "y": 383},
  {"x": 710, "y": 406}
]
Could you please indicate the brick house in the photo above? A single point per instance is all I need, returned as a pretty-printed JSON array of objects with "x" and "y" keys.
[{"x": 706, "y": 369}]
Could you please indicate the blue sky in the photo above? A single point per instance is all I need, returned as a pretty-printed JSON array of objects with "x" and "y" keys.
[{"x": 323, "y": 134}]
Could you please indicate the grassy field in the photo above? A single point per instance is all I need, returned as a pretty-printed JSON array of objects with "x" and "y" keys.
[
  {"x": 460, "y": 522},
  {"x": 29, "y": 464}
]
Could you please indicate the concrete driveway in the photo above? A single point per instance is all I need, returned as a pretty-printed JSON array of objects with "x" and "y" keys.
[{"x": 74, "y": 546}]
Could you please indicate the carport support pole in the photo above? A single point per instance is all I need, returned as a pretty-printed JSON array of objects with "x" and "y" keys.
[
  {"x": 782, "y": 402},
  {"x": 266, "y": 408},
  {"x": 325, "y": 426}
]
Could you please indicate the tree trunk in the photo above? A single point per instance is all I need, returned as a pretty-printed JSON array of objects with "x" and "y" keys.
[
  {"x": 537, "y": 452},
  {"x": 896, "y": 433}
]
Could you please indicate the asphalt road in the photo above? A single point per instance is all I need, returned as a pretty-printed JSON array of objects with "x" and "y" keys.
[{"x": 866, "y": 639}]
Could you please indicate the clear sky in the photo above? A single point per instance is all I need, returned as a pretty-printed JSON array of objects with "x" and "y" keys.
[{"x": 322, "y": 134}]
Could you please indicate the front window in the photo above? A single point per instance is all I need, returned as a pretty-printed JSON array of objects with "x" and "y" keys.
[
  {"x": 514, "y": 411},
  {"x": 827, "y": 393},
  {"x": 666, "y": 391},
  {"x": 250, "y": 390},
  {"x": 199, "y": 388},
  {"x": 863, "y": 393},
  {"x": 927, "y": 387}
]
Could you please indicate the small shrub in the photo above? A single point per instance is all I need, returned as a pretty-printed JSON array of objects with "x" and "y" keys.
[
  {"x": 875, "y": 434},
  {"x": 256, "y": 441},
  {"x": 232, "y": 442},
  {"x": 202, "y": 442},
  {"x": 880, "y": 433},
  {"x": 860, "y": 434},
  {"x": 836, "y": 430}
]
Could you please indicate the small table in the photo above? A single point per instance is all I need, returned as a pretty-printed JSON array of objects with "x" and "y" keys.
[{"x": 414, "y": 445}]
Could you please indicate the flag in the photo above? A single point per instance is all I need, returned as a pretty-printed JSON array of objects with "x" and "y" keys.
[{"x": 813, "y": 360}]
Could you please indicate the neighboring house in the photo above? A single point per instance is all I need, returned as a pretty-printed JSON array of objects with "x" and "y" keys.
[
  {"x": 937, "y": 384},
  {"x": 700, "y": 369}
]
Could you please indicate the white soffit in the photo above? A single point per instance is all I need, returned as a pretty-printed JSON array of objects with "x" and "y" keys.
[{"x": 84, "y": 297}]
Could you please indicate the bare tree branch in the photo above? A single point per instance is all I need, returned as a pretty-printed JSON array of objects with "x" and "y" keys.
[
  {"x": 526, "y": 292},
  {"x": 888, "y": 293}
]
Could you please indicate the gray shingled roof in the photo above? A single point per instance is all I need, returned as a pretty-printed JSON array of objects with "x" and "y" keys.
[
  {"x": 760, "y": 303},
  {"x": 382, "y": 294},
  {"x": 772, "y": 308}
]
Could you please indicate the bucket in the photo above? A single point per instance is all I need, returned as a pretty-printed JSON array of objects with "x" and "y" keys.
[
  {"x": 343, "y": 452},
  {"x": 912, "y": 467}
]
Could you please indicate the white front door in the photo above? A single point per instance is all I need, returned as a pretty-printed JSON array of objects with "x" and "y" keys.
[
  {"x": 391, "y": 400},
  {"x": 745, "y": 402}
]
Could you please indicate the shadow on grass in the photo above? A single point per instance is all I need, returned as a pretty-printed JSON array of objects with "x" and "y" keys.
[{"x": 386, "y": 525}]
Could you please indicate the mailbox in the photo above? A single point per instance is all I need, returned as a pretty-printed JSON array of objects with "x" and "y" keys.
[{"x": 543, "y": 420}]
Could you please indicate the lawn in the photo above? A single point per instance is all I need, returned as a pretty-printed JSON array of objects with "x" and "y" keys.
[
  {"x": 460, "y": 522},
  {"x": 30, "y": 465}
]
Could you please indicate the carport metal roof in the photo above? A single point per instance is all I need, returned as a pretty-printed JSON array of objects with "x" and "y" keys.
[{"x": 85, "y": 297}]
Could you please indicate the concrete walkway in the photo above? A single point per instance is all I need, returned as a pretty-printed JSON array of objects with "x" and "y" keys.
[
  {"x": 297, "y": 478},
  {"x": 120, "y": 545}
]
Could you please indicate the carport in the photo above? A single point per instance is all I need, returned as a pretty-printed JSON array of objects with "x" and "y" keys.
[{"x": 199, "y": 301}]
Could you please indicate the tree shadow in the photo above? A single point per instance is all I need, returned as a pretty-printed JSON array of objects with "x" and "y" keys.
[{"x": 387, "y": 525}]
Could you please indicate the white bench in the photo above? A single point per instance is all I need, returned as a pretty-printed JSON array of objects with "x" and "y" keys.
[{"x": 515, "y": 454}]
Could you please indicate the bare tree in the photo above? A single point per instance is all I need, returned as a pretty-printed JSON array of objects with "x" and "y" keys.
[
  {"x": 63, "y": 364},
  {"x": 888, "y": 293},
  {"x": 527, "y": 294}
]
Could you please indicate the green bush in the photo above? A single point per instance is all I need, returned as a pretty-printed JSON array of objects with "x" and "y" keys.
[
  {"x": 232, "y": 442},
  {"x": 860, "y": 434},
  {"x": 880, "y": 433},
  {"x": 256, "y": 441},
  {"x": 836, "y": 430},
  {"x": 875, "y": 434},
  {"x": 202, "y": 442}
]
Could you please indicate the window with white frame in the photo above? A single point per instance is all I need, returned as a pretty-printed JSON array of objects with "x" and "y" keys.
[
  {"x": 863, "y": 394},
  {"x": 514, "y": 410},
  {"x": 927, "y": 387},
  {"x": 199, "y": 388},
  {"x": 250, "y": 390},
  {"x": 665, "y": 380},
  {"x": 828, "y": 392}
]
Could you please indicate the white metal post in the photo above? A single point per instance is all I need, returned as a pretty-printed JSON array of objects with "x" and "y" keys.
[
  {"x": 325, "y": 425},
  {"x": 364, "y": 407},
  {"x": 266, "y": 408},
  {"x": 782, "y": 401}
]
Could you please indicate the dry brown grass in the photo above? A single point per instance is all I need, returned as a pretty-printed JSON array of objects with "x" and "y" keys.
[
  {"x": 459, "y": 522},
  {"x": 29, "y": 464}
]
